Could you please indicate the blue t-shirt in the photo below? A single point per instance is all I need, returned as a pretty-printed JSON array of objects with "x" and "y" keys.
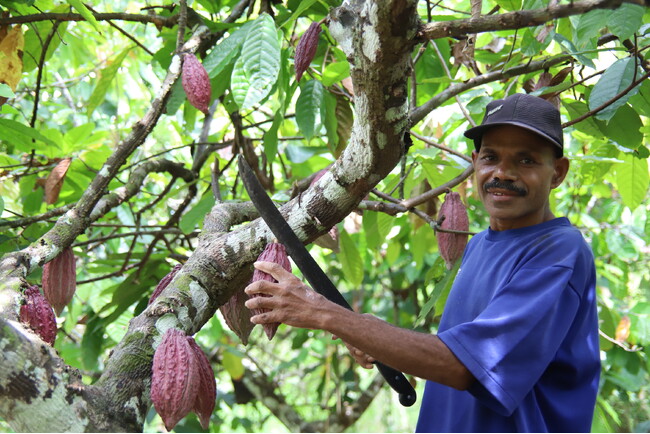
[{"x": 521, "y": 316}]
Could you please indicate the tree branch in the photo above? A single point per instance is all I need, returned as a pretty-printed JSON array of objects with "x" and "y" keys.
[
  {"x": 157, "y": 20},
  {"x": 515, "y": 20}
]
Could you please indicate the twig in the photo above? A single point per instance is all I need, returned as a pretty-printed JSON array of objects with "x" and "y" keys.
[
  {"x": 39, "y": 75},
  {"x": 440, "y": 146},
  {"x": 412, "y": 202},
  {"x": 23, "y": 222},
  {"x": 619, "y": 344}
]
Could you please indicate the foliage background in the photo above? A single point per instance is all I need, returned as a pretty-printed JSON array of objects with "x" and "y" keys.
[{"x": 96, "y": 81}]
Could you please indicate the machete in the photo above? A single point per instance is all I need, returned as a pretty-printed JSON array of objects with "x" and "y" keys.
[{"x": 310, "y": 269}]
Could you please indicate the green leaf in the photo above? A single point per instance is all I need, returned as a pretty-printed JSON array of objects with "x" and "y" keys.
[
  {"x": 233, "y": 365},
  {"x": 335, "y": 72},
  {"x": 2, "y": 205},
  {"x": 85, "y": 12},
  {"x": 106, "y": 76},
  {"x": 308, "y": 107},
  {"x": 625, "y": 20},
  {"x": 632, "y": 180},
  {"x": 439, "y": 295},
  {"x": 5, "y": 91},
  {"x": 588, "y": 125},
  {"x": 257, "y": 68},
  {"x": 572, "y": 50},
  {"x": 190, "y": 220},
  {"x": 616, "y": 78},
  {"x": 589, "y": 26},
  {"x": 270, "y": 138},
  {"x": 176, "y": 99},
  {"x": 302, "y": 6},
  {"x": 225, "y": 52},
  {"x": 510, "y": 5},
  {"x": 350, "y": 260},
  {"x": 624, "y": 128},
  {"x": 23, "y": 136}
]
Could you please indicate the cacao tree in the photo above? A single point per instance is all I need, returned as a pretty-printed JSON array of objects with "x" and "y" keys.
[{"x": 119, "y": 126}]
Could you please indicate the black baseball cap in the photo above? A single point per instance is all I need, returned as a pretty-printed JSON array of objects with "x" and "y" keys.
[{"x": 526, "y": 111}]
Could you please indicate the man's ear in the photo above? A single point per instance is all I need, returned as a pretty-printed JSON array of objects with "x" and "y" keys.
[
  {"x": 561, "y": 169},
  {"x": 474, "y": 155}
]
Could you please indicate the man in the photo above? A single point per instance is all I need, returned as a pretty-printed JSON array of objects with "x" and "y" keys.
[{"x": 517, "y": 346}]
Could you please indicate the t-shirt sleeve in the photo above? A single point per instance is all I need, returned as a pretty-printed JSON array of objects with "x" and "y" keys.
[{"x": 510, "y": 344}]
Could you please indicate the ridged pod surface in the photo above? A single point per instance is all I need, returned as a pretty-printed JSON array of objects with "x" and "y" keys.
[
  {"x": 196, "y": 83},
  {"x": 38, "y": 315},
  {"x": 60, "y": 280},
  {"x": 238, "y": 316},
  {"x": 454, "y": 216},
  {"x": 306, "y": 49},
  {"x": 175, "y": 379},
  {"x": 273, "y": 252},
  {"x": 163, "y": 283},
  {"x": 206, "y": 395}
]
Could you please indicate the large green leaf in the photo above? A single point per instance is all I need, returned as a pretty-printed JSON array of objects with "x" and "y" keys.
[
  {"x": 632, "y": 180},
  {"x": 25, "y": 138},
  {"x": 224, "y": 54},
  {"x": 589, "y": 26},
  {"x": 624, "y": 127},
  {"x": 256, "y": 70},
  {"x": 351, "y": 261},
  {"x": 618, "y": 77},
  {"x": 625, "y": 20},
  {"x": 106, "y": 77},
  {"x": 308, "y": 107}
]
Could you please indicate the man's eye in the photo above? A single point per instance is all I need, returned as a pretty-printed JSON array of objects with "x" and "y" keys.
[{"x": 528, "y": 161}]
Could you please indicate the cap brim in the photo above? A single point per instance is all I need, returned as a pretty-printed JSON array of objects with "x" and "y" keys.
[{"x": 477, "y": 132}]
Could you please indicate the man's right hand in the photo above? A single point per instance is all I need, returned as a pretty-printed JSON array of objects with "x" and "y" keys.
[{"x": 362, "y": 358}]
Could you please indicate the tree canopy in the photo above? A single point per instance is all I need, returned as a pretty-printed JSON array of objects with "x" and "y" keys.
[{"x": 101, "y": 151}]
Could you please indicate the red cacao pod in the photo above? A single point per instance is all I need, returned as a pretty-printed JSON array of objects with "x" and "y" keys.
[
  {"x": 238, "y": 316},
  {"x": 306, "y": 49},
  {"x": 164, "y": 282},
  {"x": 196, "y": 83},
  {"x": 60, "y": 280},
  {"x": 273, "y": 252},
  {"x": 175, "y": 379},
  {"x": 38, "y": 315},
  {"x": 207, "y": 392},
  {"x": 454, "y": 216}
]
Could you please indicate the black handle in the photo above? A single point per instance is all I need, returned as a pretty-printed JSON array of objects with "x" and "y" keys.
[{"x": 399, "y": 383}]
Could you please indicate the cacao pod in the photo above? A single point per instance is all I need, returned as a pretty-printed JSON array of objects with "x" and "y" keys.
[
  {"x": 306, "y": 49},
  {"x": 175, "y": 379},
  {"x": 163, "y": 283},
  {"x": 196, "y": 83},
  {"x": 454, "y": 216},
  {"x": 38, "y": 315},
  {"x": 238, "y": 316},
  {"x": 207, "y": 391},
  {"x": 60, "y": 280},
  {"x": 273, "y": 252}
]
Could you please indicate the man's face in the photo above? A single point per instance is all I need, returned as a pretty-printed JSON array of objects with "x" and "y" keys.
[{"x": 515, "y": 172}]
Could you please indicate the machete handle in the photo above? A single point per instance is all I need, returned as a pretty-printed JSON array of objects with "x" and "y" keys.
[{"x": 399, "y": 383}]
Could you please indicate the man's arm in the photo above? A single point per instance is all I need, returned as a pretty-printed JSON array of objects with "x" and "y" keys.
[{"x": 294, "y": 303}]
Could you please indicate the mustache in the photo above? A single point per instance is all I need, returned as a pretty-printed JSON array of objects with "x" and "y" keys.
[{"x": 504, "y": 186}]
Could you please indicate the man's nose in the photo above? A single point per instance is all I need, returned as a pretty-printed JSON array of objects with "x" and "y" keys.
[{"x": 505, "y": 171}]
